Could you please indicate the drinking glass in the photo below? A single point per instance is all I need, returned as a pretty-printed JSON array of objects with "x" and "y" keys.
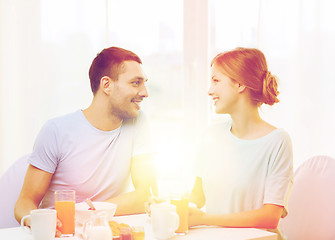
[
  {"x": 138, "y": 233},
  {"x": 65, "y": 207},
  {"x": 182, "y": 209}
]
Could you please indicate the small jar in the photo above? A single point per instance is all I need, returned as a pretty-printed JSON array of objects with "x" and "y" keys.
[{"x": 125, "y": 233}]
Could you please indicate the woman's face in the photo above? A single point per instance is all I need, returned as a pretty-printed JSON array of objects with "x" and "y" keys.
[{"x": 223, "y": 90}]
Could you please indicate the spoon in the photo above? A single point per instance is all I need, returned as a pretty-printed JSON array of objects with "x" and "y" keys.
[{"x": 90, "y": 204}]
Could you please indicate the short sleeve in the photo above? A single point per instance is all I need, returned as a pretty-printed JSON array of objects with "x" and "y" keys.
[
  {"x": 280, "y": 173},
  {"x": 142, "y": 138},
  {"x": 45, "y": 153}
]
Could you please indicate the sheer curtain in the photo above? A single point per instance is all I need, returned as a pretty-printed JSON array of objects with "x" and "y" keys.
[
  {"x": 47, "y": 46},
  {"x": 297, "y": 37},
  {"x": 46, "y": 49},
  {"x": 300, "y": 43}
]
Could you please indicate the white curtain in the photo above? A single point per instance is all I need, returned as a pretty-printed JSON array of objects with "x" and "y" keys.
[
  {"x": 46, "y": 47},
  {"x": 297, "y": 38}
]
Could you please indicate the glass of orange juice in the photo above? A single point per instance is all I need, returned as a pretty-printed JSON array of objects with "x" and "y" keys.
[
  {"x": 138, "y": 233},
  {"x": 65, "y": 207},
  {"x": 181, "y": 202}
]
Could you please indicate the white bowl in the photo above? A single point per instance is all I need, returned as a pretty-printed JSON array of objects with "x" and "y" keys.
[{"x": 83, "y": 214}]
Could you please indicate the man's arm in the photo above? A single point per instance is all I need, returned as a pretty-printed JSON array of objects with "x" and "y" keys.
[
  {"x": 35, "y": 185},
  {"x": 143, "y": 175}
]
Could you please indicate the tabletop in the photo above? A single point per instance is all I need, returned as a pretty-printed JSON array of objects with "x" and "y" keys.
[{"x": 196, "y": 233}]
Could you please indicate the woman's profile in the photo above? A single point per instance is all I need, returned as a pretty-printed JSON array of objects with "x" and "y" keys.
[{"x": 244, "y": 164}]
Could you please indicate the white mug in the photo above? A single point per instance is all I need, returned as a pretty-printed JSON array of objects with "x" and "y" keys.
[
  {"x": 164, "y": 220},
  {"x": 43, "y": 223}
]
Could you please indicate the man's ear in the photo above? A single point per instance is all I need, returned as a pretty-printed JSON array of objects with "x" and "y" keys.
[
  {"x": 241, "y": 88},
  {"x": 106, "y": 84}
]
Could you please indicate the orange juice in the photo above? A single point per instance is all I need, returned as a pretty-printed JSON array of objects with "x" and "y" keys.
[
  {"x": 66, "y": 214},
  {"x": 138, "y": 233},
  {"x": 182, "y": 211}
]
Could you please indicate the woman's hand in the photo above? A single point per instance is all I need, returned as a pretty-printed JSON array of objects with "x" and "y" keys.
[{"x": 196, "y": 217}]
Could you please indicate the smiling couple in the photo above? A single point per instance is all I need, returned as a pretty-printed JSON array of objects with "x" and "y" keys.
[{"x": 94, "y": 151}]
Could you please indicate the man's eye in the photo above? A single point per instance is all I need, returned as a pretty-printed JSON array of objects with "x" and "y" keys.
[{"x": 136, "y": 83}]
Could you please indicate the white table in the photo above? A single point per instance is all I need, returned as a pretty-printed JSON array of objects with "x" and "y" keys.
[{"x": 198, "y": 233}]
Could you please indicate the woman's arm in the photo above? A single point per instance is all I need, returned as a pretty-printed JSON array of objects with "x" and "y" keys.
[
  {"x": 266, "y": 217},
  {"x": 197, "y": 195}
]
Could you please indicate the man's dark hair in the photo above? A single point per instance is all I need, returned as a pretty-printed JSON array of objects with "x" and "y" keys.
[{"x": 109, "y": 63}]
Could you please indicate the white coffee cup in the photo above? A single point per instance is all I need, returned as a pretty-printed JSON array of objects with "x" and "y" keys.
[
  {"x": 43, "y": 223},
  {"x": 164, "y": 220}
]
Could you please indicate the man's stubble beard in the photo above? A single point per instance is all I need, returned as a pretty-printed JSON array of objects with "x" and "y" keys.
[{"x": 123, "y": 114}]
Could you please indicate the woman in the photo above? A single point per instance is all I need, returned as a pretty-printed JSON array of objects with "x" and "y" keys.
[{"x": 245, "y": 164}]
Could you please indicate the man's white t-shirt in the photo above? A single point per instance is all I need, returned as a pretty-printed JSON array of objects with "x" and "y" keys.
[
  {"x": 240, "y": 175},
  {"x": 94, "y": 163}
]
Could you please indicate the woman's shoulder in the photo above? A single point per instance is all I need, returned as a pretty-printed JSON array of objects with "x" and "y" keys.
[
  {"x": 279, "y": 135},
  {"x": 268, "y": 130}
]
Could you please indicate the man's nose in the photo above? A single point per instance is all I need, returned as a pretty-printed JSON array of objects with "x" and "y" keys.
[{"x": 144, "y": 92}]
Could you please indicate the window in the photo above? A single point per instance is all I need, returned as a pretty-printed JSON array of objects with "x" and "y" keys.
[{"x": 47, "y": 48}]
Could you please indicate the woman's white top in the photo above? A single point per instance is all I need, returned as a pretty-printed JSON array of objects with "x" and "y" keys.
[{"x": 240, "y": 175}]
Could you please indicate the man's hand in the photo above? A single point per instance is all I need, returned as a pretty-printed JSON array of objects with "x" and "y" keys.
[
  {"x": 27, "y": 223},
  {"x": 58, "y": 226}
]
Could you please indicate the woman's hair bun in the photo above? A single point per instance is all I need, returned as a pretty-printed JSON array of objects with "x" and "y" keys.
[{"x": 270, "y": 89}]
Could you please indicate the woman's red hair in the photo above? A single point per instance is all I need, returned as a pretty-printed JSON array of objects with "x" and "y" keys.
[{"x": 248, "y": 67}]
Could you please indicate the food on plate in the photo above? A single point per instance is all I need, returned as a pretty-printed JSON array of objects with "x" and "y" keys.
[{"x": 116, "y": 227}]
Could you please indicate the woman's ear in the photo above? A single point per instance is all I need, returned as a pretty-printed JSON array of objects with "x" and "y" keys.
[{"x": 241, "y": 88}]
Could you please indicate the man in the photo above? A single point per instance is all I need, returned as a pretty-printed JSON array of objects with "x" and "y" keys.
[{"x": 94, "y": 151}]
